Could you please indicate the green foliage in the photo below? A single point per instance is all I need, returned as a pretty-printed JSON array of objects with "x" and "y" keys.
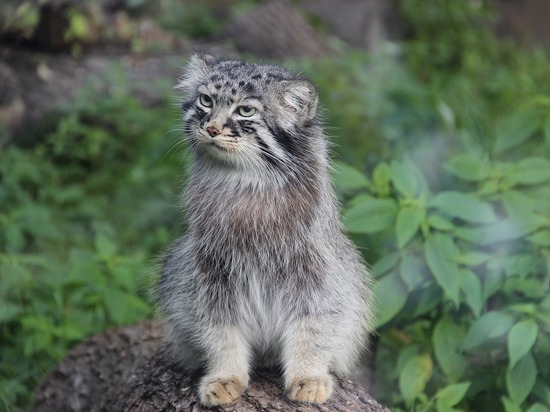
[
  {"x": 197, "y": 20},
  {"x": 19, "y": 17},
  {"x": 463, "y": 273},
  {"x": 453, "y": 128},
  {"x": 448, "y": 36},
  {"x": 372, "y": 102},
  {"x": 82, "y": 214},
  {"x": 453, "y": 213}
]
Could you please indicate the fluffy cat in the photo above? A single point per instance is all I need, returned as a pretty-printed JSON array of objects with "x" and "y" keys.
[{"x": 264, "y": 274}]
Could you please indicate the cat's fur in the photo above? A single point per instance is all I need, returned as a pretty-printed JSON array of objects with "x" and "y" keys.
[{"x": 264, "y": 274}]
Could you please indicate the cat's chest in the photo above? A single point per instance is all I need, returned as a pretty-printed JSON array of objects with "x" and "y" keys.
[
  {"x": 266, "y": 216},
  {"x": 261, "y": 307},
  {"x": 243, "y": 218}
]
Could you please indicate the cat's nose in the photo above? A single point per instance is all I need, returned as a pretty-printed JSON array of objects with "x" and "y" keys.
[{"x": 212, "y": 131}]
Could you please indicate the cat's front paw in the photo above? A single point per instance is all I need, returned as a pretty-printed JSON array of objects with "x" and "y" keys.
[
  {"x": 215, "y": 390},
  {"x": 310, "y": 389}
]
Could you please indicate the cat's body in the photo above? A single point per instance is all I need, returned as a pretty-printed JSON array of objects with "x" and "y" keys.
[{"x": 264, "y": 274}]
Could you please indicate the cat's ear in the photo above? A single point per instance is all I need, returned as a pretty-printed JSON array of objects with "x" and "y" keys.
[
  {"x": 204, "y": 59},
  {"x": 194, "y": 73},
  {"x": 300, "y": 97}
]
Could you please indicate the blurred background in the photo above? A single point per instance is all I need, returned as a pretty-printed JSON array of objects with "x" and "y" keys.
[{"x": 440, "y": 115}]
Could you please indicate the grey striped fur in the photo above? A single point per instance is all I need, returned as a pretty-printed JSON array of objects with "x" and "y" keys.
[{"x": 264, "y": 274}]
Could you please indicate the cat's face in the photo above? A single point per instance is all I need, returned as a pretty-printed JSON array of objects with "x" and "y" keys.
[{"x": 245, "y": 115}]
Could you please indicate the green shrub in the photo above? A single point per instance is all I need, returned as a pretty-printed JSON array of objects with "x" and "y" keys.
[
  {"x": 83, "y": 213},
  {"x": 371, "y": 102},
  {"x": 462, "y": 277},
  {"x": 453, "y": 213},
  {"x": 449, "y": 36}
]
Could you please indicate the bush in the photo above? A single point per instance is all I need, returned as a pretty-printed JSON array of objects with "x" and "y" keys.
[
  {"x": 372, "y": 104},
  {"x": 82, "y": 214},
  {"x": 445, "y": 187},
  {"x": 453, "y": 211},
  {"x": 462, "y": 279}
]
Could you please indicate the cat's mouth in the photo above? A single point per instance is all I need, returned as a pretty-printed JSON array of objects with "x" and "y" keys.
[{"x": 218, "y": 146}]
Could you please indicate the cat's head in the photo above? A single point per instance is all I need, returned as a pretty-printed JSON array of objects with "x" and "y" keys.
[{"x": 249, "y": 116}]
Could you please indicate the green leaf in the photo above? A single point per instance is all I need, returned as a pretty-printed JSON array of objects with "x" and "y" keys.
[
  {"x": 429, "y": 298},
  {"x": 530, "y": 171},
  {"x": 414, "y": 376},
  {"x": 473, "y": 258},
  {"x": 73, "y": 332},
  {"x": 464, "y": 206},
  {"x": 531, "y": 288},
  {"x": 405, "y": 355},
  {"x": 14, "y": 237},
  {"x": 542, "y": 391},
  {"x": 538, "y": 407},
  {"x": 125, "y": 273},
  {"x": 473, "y": 290},
  {"x": 525, "y": 214},
  {"x": 509, "y": 229},
  {"x": 9, "y": 311},
  {"x": 477, "y": 235},
  {"x": 524, "y": 265},
  {"x": 468, "y": 167},
  {"x": 78, "y": 25},
  {"x": 521, "y": 379},
  {"x": 104, "y": 246},
  {"x": 492, "y": 283},
  {"x": 384, "y": 264},
  {"x": 516, "y": 129},
  {"x": 489, "y": 326},
  {"x": 348, "y": 178},
  {"x": 525, "y": 308},
  {"x": 391, "y": 295},
  {"x": 521, "y": 339},
  {"x": 542, "y": 238},
  {"x": 116, "y": 303},
  {"x": 407, "y": 179},
  {"x": 369, "y": 214},
  {"x": 403, "y": 180},
  {"x": 510, "y": 406},
  {"x": 448, "y": 246},
  {"x": 502, "y": 231},
  {"x": 440, "y": 223},
  {"x": 447, "y": 114},
  {"x": 381, "y": 177},
  {"x": 412, "y": 271},
  {"x": 447, "y": 340},
  {"x": 439, "y": 255},
  {"x": 409, "y": 219},
  {"x": 521, "y": 206},
  {"x": 451, "y": 395},
  {"x": 489, "y": 187}
]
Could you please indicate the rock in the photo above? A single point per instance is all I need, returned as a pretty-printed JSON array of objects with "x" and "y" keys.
[
  {"x": 12, "y": 107},
  {"x": 275, "y": 30},
  {"x": 361, "y": 23},
  {"x": 49, "y": 83},
  {"x": 523, "y": 20},
  {"x": 126, "y": 369}
]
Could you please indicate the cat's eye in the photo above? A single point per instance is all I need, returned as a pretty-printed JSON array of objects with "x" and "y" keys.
[
  {"x": 206, "y": 100},
  {"x": 246, "y": 111}
]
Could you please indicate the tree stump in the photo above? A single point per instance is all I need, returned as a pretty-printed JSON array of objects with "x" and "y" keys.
[{"x": 126, "y": 369}]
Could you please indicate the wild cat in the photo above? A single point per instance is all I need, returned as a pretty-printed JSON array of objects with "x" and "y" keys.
[{"x": 264, "y": 274}]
